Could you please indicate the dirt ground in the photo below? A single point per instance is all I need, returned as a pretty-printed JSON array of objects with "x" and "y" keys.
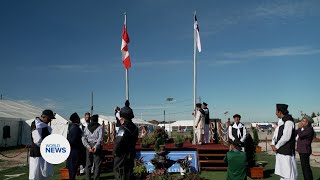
[{"x": 20, "y": 160}]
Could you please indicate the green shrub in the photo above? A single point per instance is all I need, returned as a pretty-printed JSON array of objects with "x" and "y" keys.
[
  {"x": 147, "y": 140},
  {"x": 179, "y": 139},
  {"x": 256, "y": 139}
]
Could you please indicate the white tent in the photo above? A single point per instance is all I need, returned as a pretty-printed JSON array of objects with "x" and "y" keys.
[
  {"x": 58, "y": 125},
  {"x": 19, "y": 115},
  {"x": 138, "y": 121},
  {"x": 183, "y": 123},
  {"x": 14, "y": 133},
  {"x": 104, "y": 119},
  {"x": 112, "y": 119}
]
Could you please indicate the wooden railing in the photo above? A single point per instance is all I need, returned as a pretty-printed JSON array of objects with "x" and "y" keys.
[
  {"x": 223, "y": 132},
  {"x": 109, "y": 133}
]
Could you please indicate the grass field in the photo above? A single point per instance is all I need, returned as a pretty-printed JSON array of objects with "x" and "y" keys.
[{"x": 211, "y": 175}]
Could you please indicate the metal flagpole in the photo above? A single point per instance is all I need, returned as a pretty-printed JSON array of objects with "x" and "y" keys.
[
  {"x": 127, "y": 84},
  {"x": 194, "y": 82},
  {"x": 91, "y": 103}
]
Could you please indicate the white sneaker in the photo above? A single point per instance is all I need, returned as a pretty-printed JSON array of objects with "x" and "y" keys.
[{"x": 82, "y": 170}]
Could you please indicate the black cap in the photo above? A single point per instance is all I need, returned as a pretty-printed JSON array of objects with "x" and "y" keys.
[
  {"x": 48, "y": 113},
  {"x": 205, "y": 104},
  {"x": 282, "y": 107},
  {"x": 74, "y": 117},
  {"x": 127, "y": 113},
  {"x": 127, "y": 103},
  {"x": 95, "y": 118},
  {"x": 236, "y": 145},
  {"x": 237, "y": 115},
  {"x": 198, "y": 105}
]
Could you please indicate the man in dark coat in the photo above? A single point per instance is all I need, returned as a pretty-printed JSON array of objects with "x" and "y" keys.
[
  {"x": 124, "y": 148},
  {"x": 206, "y": 123},
  {"x": 305, "y": 134},
  {"x": 74, "y": 138}
]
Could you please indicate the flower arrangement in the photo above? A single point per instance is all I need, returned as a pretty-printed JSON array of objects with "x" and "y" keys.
[
  {"x": 193, "y": 176},
  {"x": 159, "y": 174},
  {"x": 139, "y": 169}
]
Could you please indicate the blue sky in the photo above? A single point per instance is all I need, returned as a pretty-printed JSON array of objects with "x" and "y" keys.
[{"x": 254, "y": 54}]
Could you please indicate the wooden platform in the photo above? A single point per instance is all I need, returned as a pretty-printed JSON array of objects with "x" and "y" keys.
[
  {"x": 210, "y": 156},
  {"x": 171, "y": 146}
]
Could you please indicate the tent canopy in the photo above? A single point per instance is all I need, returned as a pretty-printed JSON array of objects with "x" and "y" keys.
[
  {"x": 21, "y": 110},
  {"x": 112, "y": 119},
  {"x": 15, "y": 111},
  {"x": 182, "y": 123}
]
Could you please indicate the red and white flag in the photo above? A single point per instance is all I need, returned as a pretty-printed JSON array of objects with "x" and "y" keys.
[{"x": 124, "y": 46}]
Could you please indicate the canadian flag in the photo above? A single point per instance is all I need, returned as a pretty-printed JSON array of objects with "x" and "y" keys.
[{"x": 124, "y": 46}]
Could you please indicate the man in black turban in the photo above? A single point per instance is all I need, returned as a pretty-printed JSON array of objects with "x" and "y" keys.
[
  {"x": 283, "y": 144},
  {"x": 124, "y": 148}
]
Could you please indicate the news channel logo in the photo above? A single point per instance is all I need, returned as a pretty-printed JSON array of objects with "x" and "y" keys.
[{"x": 55, "y": 149}]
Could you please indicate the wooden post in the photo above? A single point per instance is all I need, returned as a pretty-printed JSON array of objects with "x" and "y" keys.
[
  {"x": 220, "y": 132},
  {"x": 266, "y": 143},
  {"x": 103, "y": 126},
  {"x": 228, "y": 129},
  {"x": 210, "y": 133},
  {"x": 113, "y": 132},
  {"x": 108, "y": 133}
]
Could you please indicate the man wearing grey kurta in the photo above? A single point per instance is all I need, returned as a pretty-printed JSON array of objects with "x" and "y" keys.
[{"x": 92, "y": 140}]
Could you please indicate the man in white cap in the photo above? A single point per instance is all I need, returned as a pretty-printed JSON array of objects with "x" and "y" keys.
[{"x": 39, "y": 169}]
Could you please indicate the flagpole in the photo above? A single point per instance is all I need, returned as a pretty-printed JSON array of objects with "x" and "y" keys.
[
  {"x": 127, "y": 73},
  {"x": 194, "y": 82},
  {"x": 127, "y": 84}
]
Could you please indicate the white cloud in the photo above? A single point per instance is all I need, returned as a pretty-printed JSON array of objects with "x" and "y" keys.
[
  {"x": 158, "y": 63},
  {"x": 153, "y": 107},
  {"x": 285, "y": 9},
  {"x": 77, "y": 67},
  {"x": 273, "y": 52},
  {"x": 218, "y": 20},
  {"x": 226, "y": 62}
]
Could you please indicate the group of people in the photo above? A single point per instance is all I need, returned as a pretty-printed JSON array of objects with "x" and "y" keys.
[
  {"x": 85, "y": 140},
  {"x": 202, "y": 123},
  {"x": 285, "y": 138}
]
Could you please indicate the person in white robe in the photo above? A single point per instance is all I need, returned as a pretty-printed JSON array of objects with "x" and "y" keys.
[
  {"x": 199, "y": 124},
  {"x": 283, "y": 143},
  {"x": 39, "y": 169}
]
